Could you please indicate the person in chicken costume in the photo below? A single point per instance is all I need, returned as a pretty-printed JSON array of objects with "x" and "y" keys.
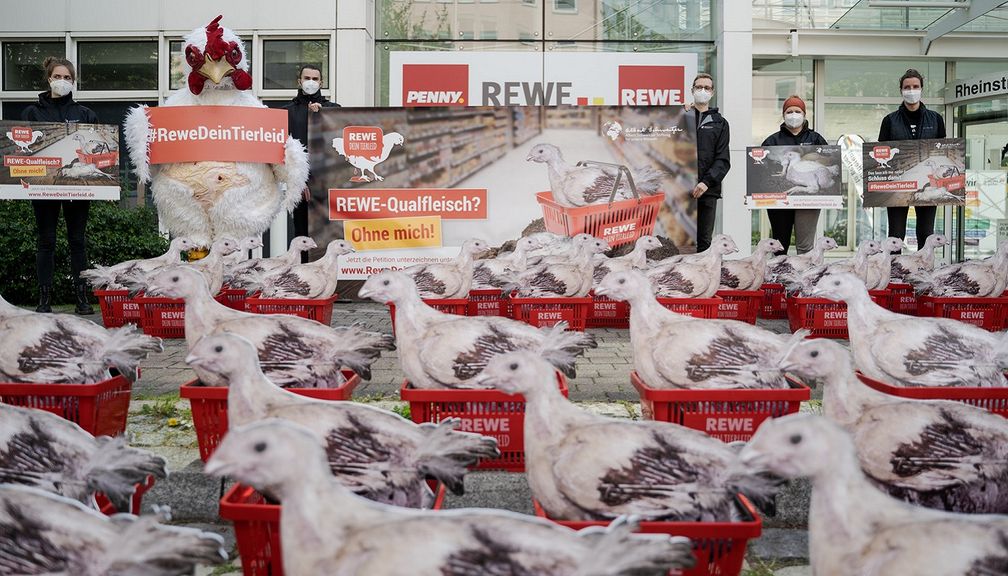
[{"x": 206, "y": 200}]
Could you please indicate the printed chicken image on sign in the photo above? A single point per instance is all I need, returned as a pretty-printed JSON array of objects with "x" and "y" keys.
[
  {"x": 365, "y": 147},
  {"x": 435, "y": 85},
  {"x": 651, "y": 85}
]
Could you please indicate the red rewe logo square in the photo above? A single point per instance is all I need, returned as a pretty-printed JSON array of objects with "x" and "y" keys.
[
  {"x": 651, "y": 85},
  {"x": 365, "y": 141},
  {"x": 22, "y": 133},
  {"x": 435, "y": 85},
  {"x": 882, "y": 152}
]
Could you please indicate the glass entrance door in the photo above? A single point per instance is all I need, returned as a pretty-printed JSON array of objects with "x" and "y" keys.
[{"x": 985, "y": 127}]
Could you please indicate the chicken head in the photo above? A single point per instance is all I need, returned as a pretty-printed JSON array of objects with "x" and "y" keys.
[
  {"x": 519, "y": 372},
  {"x": 624, "y": 285},
  {"x": 223, "y": 354},
  {"x": 388, "y": 286},
  {"x": 839, "y": 287},
  {"x": 797, "y": 446},
  {"x": 815, "y": 359},
  {"x": 266, "y": 454},
  {"x": 177, "y": 282},
  {"x": 544, "y": 154}
]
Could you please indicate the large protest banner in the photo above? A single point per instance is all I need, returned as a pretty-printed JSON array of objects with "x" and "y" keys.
[{"x": 793, "y": 177}]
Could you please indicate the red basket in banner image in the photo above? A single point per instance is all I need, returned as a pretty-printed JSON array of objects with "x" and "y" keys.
[
  {"x": 103, "y": 160},
  {"x": 622, "y": 222}
]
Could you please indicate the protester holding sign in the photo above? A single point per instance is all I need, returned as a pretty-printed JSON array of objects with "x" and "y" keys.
[
  {"x": 309, "y": 99},
  {"x": 713, "y": 160},
  {"x": 912, "y": 121},
  {"x": 58, "y": 105},
  {"x": 794, "y": 131}
]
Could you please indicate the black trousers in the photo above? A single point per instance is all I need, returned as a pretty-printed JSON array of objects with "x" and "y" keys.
[
  {"x": 925, "y": 222},
  {"x": 46, "y": 218},
  {"x": 706, "y": 217}
]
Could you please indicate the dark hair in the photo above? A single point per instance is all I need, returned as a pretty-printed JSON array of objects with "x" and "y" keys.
[
  {"x": 703, "y": 75},
  {"x": 51, "y": 62},
  {"x": 309, "y": 67},
  {"x": 911, "y": 73}
]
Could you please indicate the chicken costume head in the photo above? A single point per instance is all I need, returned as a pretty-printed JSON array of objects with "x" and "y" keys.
[
  {"x": 216, "y": 54},
  {"x": 211, "y": 199}
]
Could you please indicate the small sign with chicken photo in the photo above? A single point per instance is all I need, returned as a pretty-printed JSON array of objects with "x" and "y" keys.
[
  {"x": 793, "y": 177},
  {"x": 59, "y": 161},
  {"x": 915, "y": 173}
]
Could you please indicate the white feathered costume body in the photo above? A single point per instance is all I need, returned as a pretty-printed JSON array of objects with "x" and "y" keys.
[{"x": 207, "y": 200}]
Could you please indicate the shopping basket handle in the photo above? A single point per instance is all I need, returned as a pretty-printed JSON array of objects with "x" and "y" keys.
[{"x": 620, "y": 171}]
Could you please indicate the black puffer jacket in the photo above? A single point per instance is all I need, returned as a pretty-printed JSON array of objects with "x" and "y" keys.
[
  {"x": 807, "y": 137},
  {"x": 62, "y": 109},
  {"x": 896, "y": 125},
  {"x": 713, "y": 157},
  {"x": 297, "y": 113}
]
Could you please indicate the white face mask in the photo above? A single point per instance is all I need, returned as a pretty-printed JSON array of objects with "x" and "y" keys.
[
  {"x": 701, "y": 95},
  {"x": 794, "y": 119},
  {"x": 911, "y": 96},
  {"x": 309, "y": 86},
  {"x": 61, "y": 87}
]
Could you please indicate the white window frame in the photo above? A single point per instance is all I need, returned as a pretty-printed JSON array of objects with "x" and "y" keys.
[
  {"x": 557, "y": 10},
  {"x": 260, "y": 37},
  {"x": 84, "y": 95}
]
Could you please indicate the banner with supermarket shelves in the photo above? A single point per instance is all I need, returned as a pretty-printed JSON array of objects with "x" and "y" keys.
[
  {"x": 453, "y": 78},
  {"x": 915, "y": 172},
  {"x": 59, "y": 161},
  {"x": 410, "y": 185},
  {"x": 793, "y": 177}
]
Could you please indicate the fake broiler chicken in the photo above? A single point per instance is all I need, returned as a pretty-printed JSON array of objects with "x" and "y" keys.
[{"x": 206, "y": 200}]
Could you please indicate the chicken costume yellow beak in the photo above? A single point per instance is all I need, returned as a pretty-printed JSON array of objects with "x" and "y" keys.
[{"x": 216, "y": 70}]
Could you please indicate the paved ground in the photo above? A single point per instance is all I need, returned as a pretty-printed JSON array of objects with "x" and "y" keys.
[{"x": 163, "y": 423}]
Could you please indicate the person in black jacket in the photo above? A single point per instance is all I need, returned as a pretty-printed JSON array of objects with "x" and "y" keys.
[
  {"x": 58, "y": 105},
  {"x": 309, "y": 99},
  {"x": 912, "y": 121},
  {"x": 713, "y": 161},
  {"x": 794, "y": 131}
]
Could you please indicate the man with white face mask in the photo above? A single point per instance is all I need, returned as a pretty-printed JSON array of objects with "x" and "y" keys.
[
  {"x": 912, "y": 121},
  {"x": 794, "y": 131},
  {"x": 713, "y": 161},
  {"x": 309, "y": 99}
]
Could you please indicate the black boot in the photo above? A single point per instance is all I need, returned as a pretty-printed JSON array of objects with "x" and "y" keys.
[
  {"x": 83, "y": 306},
  {"x": 45, "y": 298}
]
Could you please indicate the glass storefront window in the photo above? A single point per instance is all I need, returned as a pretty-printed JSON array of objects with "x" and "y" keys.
[
  {"x": 970, "y": 68},
  {"x": 861, "y": 119},
  {"x": 773, "y": 82},
  {"x": 414, "y": 20},
  {"x": 22, "y": 63},
  {"x": 129, "y": 65},
  {"x": 880, "y": 78},
  {"x": 283, "y": 58},
  {"x": 629, "y": 20}
]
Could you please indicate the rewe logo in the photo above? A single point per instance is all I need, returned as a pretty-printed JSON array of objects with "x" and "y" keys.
[
  {"x": 435, "y": 85},
  {"x": 883, "y": 154},
  {"x": 365, "y": 147},
  {"x": 757, "y": 154},
  {"x": 651, "y": 85},
  {"x": 620, "y": 229}
]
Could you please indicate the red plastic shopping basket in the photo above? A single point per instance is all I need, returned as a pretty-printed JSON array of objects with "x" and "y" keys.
[
  {"x": 106, "y": 507},
  {"x": 825, "y": 318},
  {"x": 99, "y": 408},
  {"x": 695, "y": 307},
  {"x": 117, "y": 308},
  {"x": 457, "y": 306},
  {"x": 549, "y": 311},
  {"x": 994, "y": 400},
  {"x": 987, "y": 313},
  {"x": 232, "y": 298},
  {"x": 904, "y": 301},
  {"x": 607, "y": 313},
  {"x": 728, "y": 415},
  {"x": 319, "y": 310},
  {"x": 741, "y": 305},
  {"x": 774, "y": 304},
  {"x": 162, "y": 317},
  {"x": 488, "y": 303},
  {"x": 489, "y": 412},
  {"x": 257, "y": 528},
  {"x": 719, "y": 547},
  {"x": 621, "y": 222},
  {"x": 209, "y": 407},
  {"x": 103, "y": 160}
]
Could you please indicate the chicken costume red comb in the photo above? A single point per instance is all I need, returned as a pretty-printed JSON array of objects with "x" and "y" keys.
[{"x": 216, "y": 48}]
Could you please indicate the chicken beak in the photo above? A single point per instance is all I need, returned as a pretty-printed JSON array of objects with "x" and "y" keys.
[
  {"x": 217, "y": 465},
  {"x": 216, "y": 70},
  {"x": 528, "y": 158},
  {"x": 194, "y": 360},
  {"x": 364, "y": 292}
]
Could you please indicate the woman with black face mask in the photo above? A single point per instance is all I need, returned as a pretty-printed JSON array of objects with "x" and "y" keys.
[{"x": 57, "y": 105}]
